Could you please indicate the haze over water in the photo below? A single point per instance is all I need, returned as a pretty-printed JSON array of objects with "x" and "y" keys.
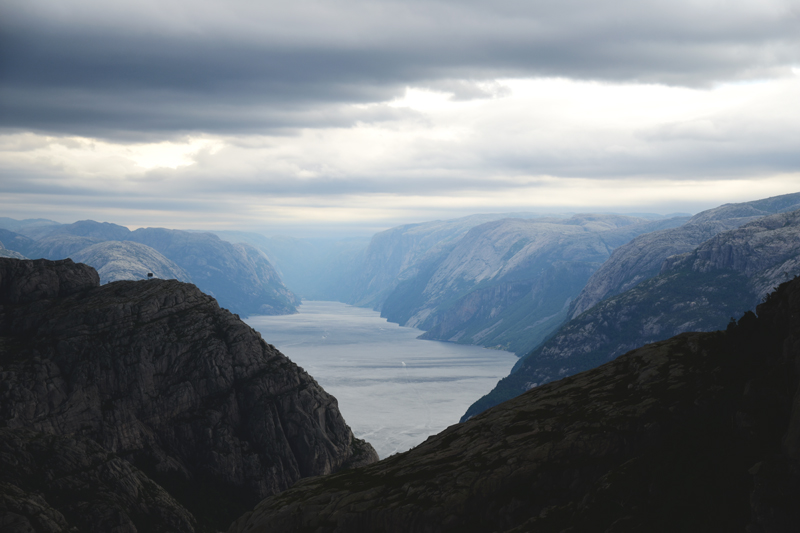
[{"x": 394, "y": 390}]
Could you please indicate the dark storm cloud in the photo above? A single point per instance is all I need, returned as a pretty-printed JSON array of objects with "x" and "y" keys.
[{"x": 156, "y": 70}]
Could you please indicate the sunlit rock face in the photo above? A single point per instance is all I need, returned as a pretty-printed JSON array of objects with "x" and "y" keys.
[
  {"x": 506, "y": 283},
  {"x": 641, "y": 258},
  {"x": 696, "y": 433},
  {"x": 156, "y": 373},
  {"x": 120, "y": 260},
  {"x": 239, "y": 276},
  {"x": 697, "y": 291}
]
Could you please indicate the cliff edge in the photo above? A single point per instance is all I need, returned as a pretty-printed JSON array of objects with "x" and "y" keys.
[{"x": 156, "y": 373}]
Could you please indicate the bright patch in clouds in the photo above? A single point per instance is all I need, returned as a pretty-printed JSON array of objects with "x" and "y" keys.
[
  {"x": 548, "y": 143},
  {"x": 170, "y": 154}
]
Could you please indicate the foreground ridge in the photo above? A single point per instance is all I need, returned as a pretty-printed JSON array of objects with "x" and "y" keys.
[
  {"x": 700, "y": 432},
  {"x": 182, "y": 411}
]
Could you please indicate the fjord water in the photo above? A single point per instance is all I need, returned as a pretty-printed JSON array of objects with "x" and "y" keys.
[{"x": 394, "y": 390}]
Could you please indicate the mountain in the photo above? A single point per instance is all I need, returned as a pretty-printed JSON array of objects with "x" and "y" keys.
[
  {"x": 698, "y": 291},
  {"x": 398, "y": 254},
  {"x": 116, "y": 260},
  {"x": 697, "y": 433},
  {"x": 31, "y": 227},
  {"x": 508, "y": 283},
  {"x": 16, "y": 242},
  {"x": 60, "y": 246},
  {"x": 54, "y": 484},
  {"x": 238, "y": 275},
  {"x": 206, "y": 417},
  {"x": 641, "y": 258}
]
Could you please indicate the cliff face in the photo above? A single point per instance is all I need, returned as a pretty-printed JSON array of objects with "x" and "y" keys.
[
  {"x": 158, "y": 374},
  {"x": 697, "y": 433},
  {"x": 238, "y": 275},
  {"x": 55, "y": 484},
  {"x": 396, "y": 254},
  {"x": 698, "y": 291},
  {"x": 118, "y": 260},
  {"x": 508, "y": 283},
  {"x": 641, "y": 258}
]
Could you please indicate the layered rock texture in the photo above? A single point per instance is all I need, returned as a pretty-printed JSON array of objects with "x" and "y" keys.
[
  {"x": 697, "y": 433},
  {"x": 117, "y": 261},
  {"x": 697, "y": 291},
  {"x": 238, "y": 275},
  {"x": 399, "y": 254},
  {"x": 207, "y": 417},
  {"x": 641, "y": 258},
  {"x": 508, "y": 283}
]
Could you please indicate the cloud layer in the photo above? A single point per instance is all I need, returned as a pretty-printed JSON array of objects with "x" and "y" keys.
[{"x": 310, "y": 114}]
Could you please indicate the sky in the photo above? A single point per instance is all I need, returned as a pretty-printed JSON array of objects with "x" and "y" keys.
[{"x": 318, "y": 117}]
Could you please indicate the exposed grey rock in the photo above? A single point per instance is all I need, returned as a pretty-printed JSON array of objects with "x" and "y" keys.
[
  {"x": 641, "y": 258},
  {"x": 60, "y": 246},
  {"x": 766, "y": 251},
  {"x": 699, "y": 291},
  {"x": 396, "y": 254},
  {"x": 157, "y": 373},
  {"x": 62, "y": 484},
  {"x": 508, "y": 283},
  {"x": 10, "y": 253},
  {"x": 116, "y": 260},
  {"x": 688, "y": 434},
  {"x": 29, "y": 281},
  {"x": 239, "y": 276}
]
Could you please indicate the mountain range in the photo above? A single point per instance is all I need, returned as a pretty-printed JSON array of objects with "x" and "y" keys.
[
  {"x": 238, "y": 275},
  {"x": 700, "y": 432},
  {"x": 144, "y": 406},
  {"x": 699, "y": 290}
]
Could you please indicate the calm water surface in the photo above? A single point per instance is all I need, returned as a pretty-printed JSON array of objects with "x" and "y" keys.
[{"x": 394, "y": 390}]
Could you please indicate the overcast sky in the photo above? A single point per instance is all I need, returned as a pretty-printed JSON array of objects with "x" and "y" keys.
[{"x": 320, "y": 116}]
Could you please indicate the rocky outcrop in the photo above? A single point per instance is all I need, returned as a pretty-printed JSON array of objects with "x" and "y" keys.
[
  {"x": 117, "y": 261},
  {"x": 695, "y": 433},
  {"x": 238, "y": 275},
  {"x": 158, "y": 374},
  {"x": 698, "y": 291},
  {"x": 55, "y": 484},
  {"x": 507, "y": 284},
  {"x": 767, "y": 252},
  {"x": 641, "y": 258}
]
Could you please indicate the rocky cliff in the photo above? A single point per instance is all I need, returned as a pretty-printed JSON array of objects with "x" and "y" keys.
[
  {"x": 118, "y": 260},
  {"x": 697, "y": 291},
  {"x": 508, "y": 283},
  {"x": 395, "y": 255},
  {"x": 697, "y": 433},
  {"x": 641, "y": 258},
  {"x": 157, "y": 374},
  {"x": 238, "y": 275}
]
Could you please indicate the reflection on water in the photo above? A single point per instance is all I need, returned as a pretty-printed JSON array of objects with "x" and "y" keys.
[{"x": 394, "y": 390}]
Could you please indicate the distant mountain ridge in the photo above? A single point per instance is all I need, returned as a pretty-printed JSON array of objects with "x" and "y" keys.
[
  {"x": 238, "y": 275},
  {"x": 697, "y": 291},
  {"x": 508, "y": 283},
  {"x": 642, "y": 257}
]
